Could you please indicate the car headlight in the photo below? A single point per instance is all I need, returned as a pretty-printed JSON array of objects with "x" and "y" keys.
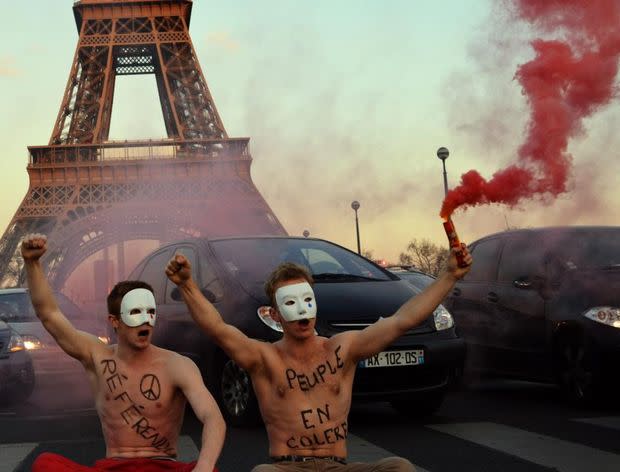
[
  {"x": 609, "y": 315},
  {"x": 264, "y": 314},
  {"x": 443, "y": 318},
  {"x": 16, "y": 343},
  {"x": 32, "y": 342}
]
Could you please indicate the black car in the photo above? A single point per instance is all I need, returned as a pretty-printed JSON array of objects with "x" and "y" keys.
[
  {"x": 16, "y": 373},
  {"x": 351, "y": 292},
  {"x": 49, "y": 361},
  {"x": 544, "y": 304}
]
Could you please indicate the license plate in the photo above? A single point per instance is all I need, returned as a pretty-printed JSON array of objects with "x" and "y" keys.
[{"x": 394, "y": 358}]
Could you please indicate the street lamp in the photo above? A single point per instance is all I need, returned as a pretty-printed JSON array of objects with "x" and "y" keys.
[
  {"x": 356, "y": 205},
  {"x": 306, "y": 233},
  {"x": 443, "y": 153}
]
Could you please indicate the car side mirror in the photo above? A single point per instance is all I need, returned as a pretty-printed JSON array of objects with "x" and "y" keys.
[
  {"x": 176, "y": 294},
  {"x": 209, "y": 295}
]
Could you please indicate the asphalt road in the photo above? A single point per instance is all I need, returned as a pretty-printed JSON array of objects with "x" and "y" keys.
[{"x": 491, "y": 426}]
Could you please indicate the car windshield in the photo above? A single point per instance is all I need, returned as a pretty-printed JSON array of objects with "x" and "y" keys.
[
  {"x": 17, "y": 308},
  {"x": 252, "y": 260}
]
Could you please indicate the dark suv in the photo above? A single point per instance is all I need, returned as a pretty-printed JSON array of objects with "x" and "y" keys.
[
  {"x": 351, "y": 291},
  {"x": 544, "y": 304}
]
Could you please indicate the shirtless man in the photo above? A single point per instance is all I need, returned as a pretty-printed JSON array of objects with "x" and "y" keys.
[
  {"x": 303, "y": 382},
  {"x": 140, "y": 390}
]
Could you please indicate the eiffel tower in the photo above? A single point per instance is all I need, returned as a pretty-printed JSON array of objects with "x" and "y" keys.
[{"x": 89, "y": 194}]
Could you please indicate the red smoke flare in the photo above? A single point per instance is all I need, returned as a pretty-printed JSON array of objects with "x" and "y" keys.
[{"x": 565, "y": 82}]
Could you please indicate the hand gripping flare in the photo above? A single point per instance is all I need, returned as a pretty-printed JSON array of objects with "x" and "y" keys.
[{"x": 455, "y": 242}]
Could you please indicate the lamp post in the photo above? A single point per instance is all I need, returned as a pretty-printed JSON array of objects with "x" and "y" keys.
[
  {"x": 356, "y": 205},
  {"x": 443, "y": 153}
]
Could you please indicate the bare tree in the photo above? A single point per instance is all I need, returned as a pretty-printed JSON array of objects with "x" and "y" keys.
[
  {"x": 425, "y": 255},
  {"x": 367, "y": 253}
]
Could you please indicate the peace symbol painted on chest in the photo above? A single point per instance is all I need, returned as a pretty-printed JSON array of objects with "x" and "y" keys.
[{"x": 150, "y": 387}]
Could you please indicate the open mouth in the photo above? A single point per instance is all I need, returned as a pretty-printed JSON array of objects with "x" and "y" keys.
[
  {"x": 143, "y": 333},
  {"x": 304, "y": 322}
]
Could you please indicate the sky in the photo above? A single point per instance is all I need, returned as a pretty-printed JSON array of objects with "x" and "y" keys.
[{"x": 342, "y": 100}]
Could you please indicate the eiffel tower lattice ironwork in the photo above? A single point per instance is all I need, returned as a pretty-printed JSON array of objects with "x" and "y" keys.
[{"x": 88, "y": 193}]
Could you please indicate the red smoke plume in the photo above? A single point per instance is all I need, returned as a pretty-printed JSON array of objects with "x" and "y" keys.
[{"x": 566, "y": 81}]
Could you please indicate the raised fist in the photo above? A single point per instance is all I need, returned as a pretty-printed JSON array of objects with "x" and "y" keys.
[
  {"x": 179, "y": 270},
  {"x": 34, "y": 246}
]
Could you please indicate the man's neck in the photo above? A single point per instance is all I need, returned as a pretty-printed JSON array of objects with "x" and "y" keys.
[
  {"x": 130, "y": 355},
  {"x": 299, "y": 348}
]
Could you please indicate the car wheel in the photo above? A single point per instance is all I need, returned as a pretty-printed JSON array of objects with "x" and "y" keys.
[
  {"x": 575, "y": 371},
  {"x": 418, "y": 405},
  {"x": 235, "y": 394}
]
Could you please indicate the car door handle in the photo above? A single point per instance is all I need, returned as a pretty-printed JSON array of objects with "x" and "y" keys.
[
  {"x": 456, "y": 292},
  {"x": 492, "y": 297}
]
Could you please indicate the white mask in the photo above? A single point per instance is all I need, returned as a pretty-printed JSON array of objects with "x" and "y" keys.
[
  {"x": 296, "y": 302},
  {"x": 139, "y": 301}
]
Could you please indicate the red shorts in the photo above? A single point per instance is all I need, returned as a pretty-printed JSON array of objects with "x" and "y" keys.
[{"x": 49, "y": 462}]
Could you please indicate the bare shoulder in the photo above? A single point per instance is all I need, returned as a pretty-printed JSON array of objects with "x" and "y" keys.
[
  {"x": 273, "y": 357},
  {"x": 343, "y": 340},
  {"x": 174, "y": 360},
  {"x": 178, "y": 367}
]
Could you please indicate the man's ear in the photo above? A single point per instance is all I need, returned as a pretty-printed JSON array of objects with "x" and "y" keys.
[{"x": 114, "y": 321}]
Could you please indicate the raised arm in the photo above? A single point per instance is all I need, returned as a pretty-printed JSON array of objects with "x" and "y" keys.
[
  {"x": 77, "y": 344},
  {"x": 382, "y": 333},
  {"x": 245, "y": 351},
  {"x": 190, "y": 382}
]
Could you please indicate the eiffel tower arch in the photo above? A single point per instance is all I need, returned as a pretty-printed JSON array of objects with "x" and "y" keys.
[{"x": 88, "y": 193}]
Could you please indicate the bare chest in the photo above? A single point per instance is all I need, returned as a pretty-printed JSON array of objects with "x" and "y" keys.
[
  {"x": 322, "y": 374},
  {"x": 138, "y": 400},
  {"x": 306, "y": 404}
]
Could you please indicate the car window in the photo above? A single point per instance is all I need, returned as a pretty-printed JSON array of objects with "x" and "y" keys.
[
  {"x": 522, "y": 257},
  {"x": 209, "y": 279},
  {"x": 154, "y": 272},
  {"x": 251, "y": 261},
  {"x": 485, "y": 254},
  {"x": 322, "y": 262},
  {"x": 586, "y": 248},
  {"x": 16, "y": 307}
]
